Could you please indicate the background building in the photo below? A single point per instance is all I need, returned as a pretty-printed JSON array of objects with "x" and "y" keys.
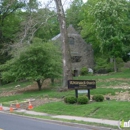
[{"x": 81, "y": 52}]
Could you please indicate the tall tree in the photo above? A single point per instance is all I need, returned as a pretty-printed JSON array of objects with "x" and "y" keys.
[
  {"x": 109, "y": 16},
  {"x": 7, "y": 8},
  {"x": 126, "y": 32},
  {"x": 88, "y": 31},
  {"x": 74, "y": 14},
  {"x": 50, "y": 28},
  {"x": 35, "y": 20},
  {"x": 67, "y": 68},
  {"x": 9, "y": 23}
]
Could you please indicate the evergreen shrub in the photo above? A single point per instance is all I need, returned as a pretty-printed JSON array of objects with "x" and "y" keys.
[
  {"x": 84, "y": 71},
  {"x": 70, "y": 99},
  {"x": 98, "y": 98},
  {"x": 82, "y": 100}
]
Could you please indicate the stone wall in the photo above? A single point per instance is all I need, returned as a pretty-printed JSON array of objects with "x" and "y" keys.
[{"x": 81, "y": 52}]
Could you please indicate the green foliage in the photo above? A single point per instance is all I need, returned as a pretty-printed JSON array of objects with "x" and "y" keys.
[
  {"x": 74, "y": 14},
  {"x": 50, "y": 28},
  {"x": 39, "y": 61},
  {"x": 98, "y": 98},
  {"x": 9, "y": 23},
  {"x": 70, "y": 99},
  {"x": 103, "y": 66},
  {"x": 87, "y": 24},
  {"x": 84, "y": 71},
  {"x": 107, "y": 24},
  {"x": 79, "y": 100},
  {"x": 120, "y": 63},
  {"x": 109, "y": 33},
  {"x": 82, "y": 100},
  {"x": 9, "y": 26}
]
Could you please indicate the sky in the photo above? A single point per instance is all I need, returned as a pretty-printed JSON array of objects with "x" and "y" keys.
[{"x": 64, "y": 2}]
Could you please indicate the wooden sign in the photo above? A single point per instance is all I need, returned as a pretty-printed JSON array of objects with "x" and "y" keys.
[{"x": 81, "y": 84}]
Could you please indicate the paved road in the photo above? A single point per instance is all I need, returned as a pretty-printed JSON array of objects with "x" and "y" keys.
[{"x": 14, "y": 122}]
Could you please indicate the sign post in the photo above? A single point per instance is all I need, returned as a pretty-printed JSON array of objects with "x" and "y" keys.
[
  {"x": 76, "y": 93},
  {"x": 89, "y": 94},
  {"x": 81, "y": 85}
]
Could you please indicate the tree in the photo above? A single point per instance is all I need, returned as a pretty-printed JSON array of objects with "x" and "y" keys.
[
  {"x": 67, "y": 68},
  {"x": 36, "y": 22},
  {"x": 109, "y": 16},
  {"x": 7, "y": 8},
  {"x": 126, "y": 32},
  {"x": 88, "y": 31},
  {"x": 9, "y": 25},
  {"x": 50, "y": 28},
  {"x": 38, "y": 62},
  {"x": 74, "y": 14}
]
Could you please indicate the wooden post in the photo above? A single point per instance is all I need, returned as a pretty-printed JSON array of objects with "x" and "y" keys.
[
  {"x": 89, "y": 94},
  {"x": 76, "y": 93}
]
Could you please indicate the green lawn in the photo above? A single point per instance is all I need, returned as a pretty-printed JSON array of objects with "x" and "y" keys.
[
  {"x": 105, "y": 85},
  {"x": 124, "y": 74},
  {"x": 114, "y": 110}
]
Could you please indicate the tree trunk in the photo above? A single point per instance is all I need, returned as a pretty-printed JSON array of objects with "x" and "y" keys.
[
  {"x": 52, "y": 80},
  {"x": 39, "y": 85},
  {"x": 0, "y": 83},
  {"x": 67, "y": 68},
  {"x": 115, "y": 65}
]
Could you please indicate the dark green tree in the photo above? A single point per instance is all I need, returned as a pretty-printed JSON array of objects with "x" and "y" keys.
[
  {"x": 74, "y": 14},
  {"x": 9, "y": 25}
]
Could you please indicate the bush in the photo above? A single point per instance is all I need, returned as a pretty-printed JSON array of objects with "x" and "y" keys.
[
  {"x": 98, "y": 98},
  {"x": 120, "y": 63},
  {"x": 84, "y": 71},
  {"x": 103, "y": 66},
  {"x": 70, "y": 100},
  {"x": 82, "y": 100}
]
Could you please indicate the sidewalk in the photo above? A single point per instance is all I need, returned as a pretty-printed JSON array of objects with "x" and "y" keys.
[{"x": 85, "y": 119}]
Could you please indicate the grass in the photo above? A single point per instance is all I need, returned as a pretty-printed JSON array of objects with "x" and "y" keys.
[
  {"x": 48, "y": 118},
  {"x": 55, "y": 94},
  {"x": 106, "y": 84},
  {"x": 112, "y": 110},
  {"x": 11, "y": 86},
  {"x": 124, "y": 74}
]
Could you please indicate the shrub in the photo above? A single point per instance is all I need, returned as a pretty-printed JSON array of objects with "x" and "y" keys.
[
  {"x": 98, "y": 98},
  {"x": 70, "y": 100},
  {"x": 84, "y": 71},
  {"x": 103, "y": 66},
  {"x": 82, "y": 100},
  {"x": 119, "y": 63}
]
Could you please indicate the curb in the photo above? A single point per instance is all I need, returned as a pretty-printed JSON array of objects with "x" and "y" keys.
[
  {"x": 63, "y": 123},
  {"x": 55, "y": 117}
]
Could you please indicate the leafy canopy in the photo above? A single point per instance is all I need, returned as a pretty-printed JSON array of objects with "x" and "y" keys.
[
  {"x": 39, "y": 61},
  {"x": 105, "y": 21}
]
